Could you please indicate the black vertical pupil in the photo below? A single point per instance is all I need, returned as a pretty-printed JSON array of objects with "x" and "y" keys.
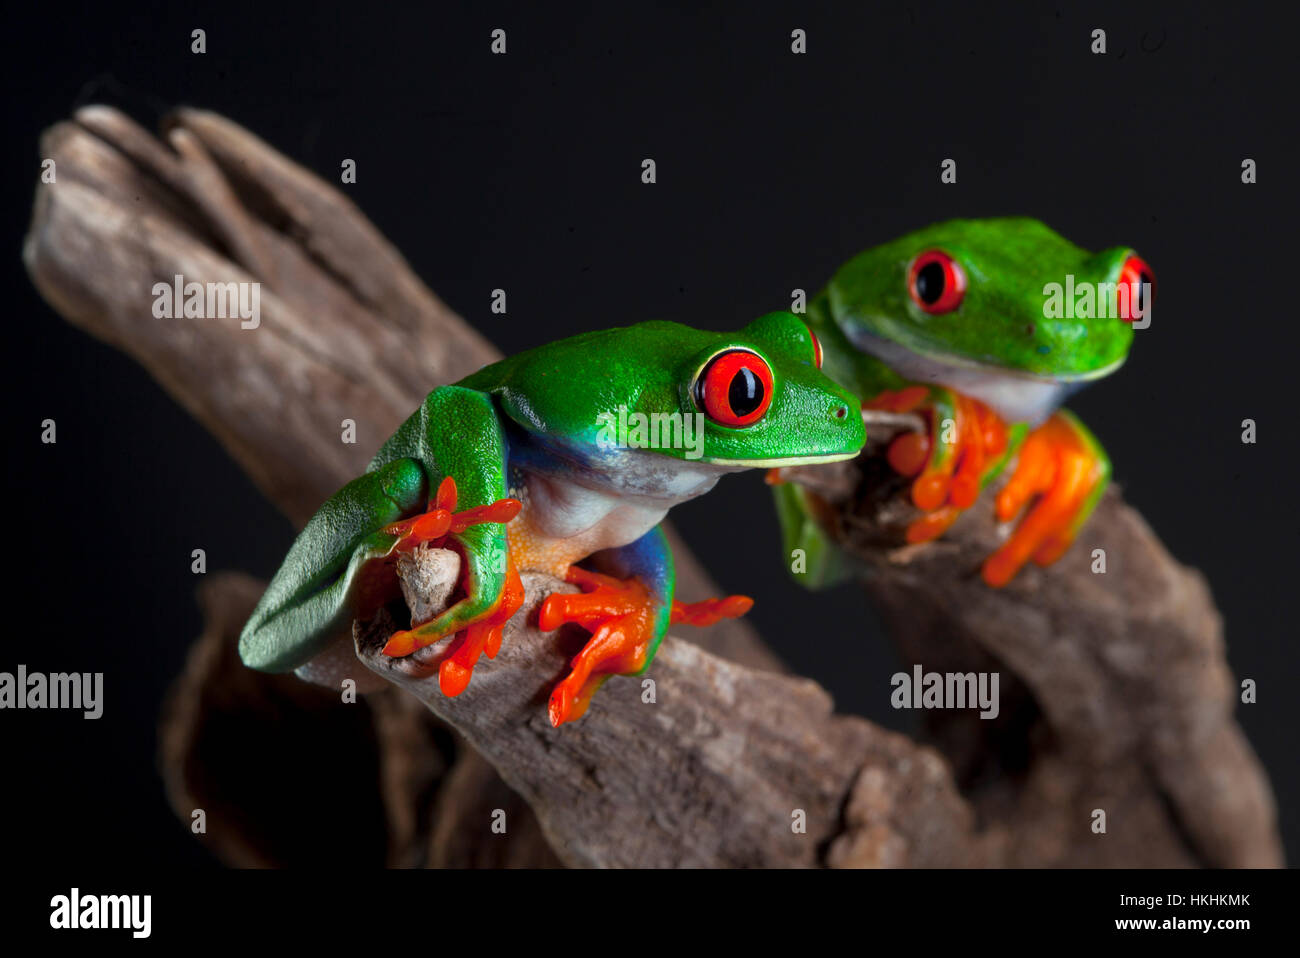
[
  {"x": 929, "y": 283},
  {"x": 745, "y": 393}
]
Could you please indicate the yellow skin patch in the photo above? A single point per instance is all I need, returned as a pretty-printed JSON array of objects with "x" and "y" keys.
[{"x": 533, "y": 551}]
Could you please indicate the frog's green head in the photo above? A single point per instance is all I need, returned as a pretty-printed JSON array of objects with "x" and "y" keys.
[
  {"x": 755, "y": 398},
  {"x": 1006, "y": 295}
]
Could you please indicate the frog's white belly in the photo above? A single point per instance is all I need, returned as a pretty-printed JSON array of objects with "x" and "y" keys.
[
  {"x": 565, "y": 519},
  {"x": 1015, "y": 396}
]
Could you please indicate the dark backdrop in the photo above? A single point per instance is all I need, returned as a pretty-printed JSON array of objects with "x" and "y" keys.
[{"x": 522, "y": 172}]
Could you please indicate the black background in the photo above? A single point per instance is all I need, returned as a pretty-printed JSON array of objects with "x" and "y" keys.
[{"x": 523, "y": 172}]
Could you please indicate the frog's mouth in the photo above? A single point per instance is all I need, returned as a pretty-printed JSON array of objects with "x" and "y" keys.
[
  {"x": 781, "y": 462},
  {"x": 1015, "y": 395}
]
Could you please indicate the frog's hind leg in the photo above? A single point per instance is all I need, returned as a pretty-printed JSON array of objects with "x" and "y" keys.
[
  {"x": 1067, "y": 470},
  {"x": 321, "y": 580},
  {"x": 802, "y": 533},
  {"x": 627, "y": 608}
]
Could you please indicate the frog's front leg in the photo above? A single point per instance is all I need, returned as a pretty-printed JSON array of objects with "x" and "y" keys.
[
  {"x": 486, "y": 618},
  {"x": 456, "y": 432},
  {"x": 1062, "y": 464},
  {"x": 627, "y": 607},
  {"x": 966, "y": 446}
]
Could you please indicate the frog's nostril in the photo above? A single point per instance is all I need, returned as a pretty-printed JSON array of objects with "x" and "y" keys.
[{"x": 841, "y": 412}]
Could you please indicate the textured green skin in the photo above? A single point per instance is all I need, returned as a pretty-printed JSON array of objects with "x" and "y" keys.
[
  {"x": 1000, "y": 323},
  {"x": 555, "y": 394},
  {"x": 559, "y": 390}
]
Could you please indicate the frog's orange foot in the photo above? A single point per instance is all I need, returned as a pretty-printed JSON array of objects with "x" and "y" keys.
[
  {"x": 1062, "y": 465},
  {"x": 949, "y": 461},
  {"x": 455, "y": 666},
  {"x": 622, "y": 616},
  {"x": 442, "y": 520}
]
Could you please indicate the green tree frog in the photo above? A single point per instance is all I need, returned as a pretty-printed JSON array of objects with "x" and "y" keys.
[
  {"x": 985, "y": 327},
  {"x": 569, "y": 453}
]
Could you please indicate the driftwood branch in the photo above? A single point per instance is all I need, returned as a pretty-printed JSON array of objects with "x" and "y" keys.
[
  {"x": 1115, "y": 693},
  {"x": 1115, "y": 689},
  {"x": 703, "y": 763}
]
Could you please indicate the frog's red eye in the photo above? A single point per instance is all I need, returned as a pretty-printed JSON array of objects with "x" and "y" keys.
[
  {"x": 735, "y": 388},
  {"x": 1132, "y": 304},
  {"x": 936, "y": 282},
  {"x": 817, "y": 349}
]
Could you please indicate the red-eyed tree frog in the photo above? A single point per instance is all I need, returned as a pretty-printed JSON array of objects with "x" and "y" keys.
[
  {"x": 984, "y": 327},
  {"x": 569, "y": 453}
]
